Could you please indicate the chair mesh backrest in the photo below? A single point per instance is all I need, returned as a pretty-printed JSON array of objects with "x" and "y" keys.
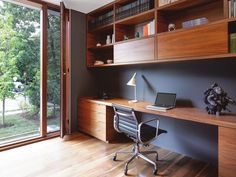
[{"x": 125, "y": 120}]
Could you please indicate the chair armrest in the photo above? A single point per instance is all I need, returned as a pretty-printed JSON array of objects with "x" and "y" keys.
[{"x": 145, "y": 122}]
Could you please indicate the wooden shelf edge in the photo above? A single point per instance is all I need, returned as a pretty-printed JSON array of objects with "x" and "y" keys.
[
  {"x": 182, "y": 4},
  {"x": 134, "y": 39},
  {"x": 109, "y": 46},
  {"x": 156, "y": 61},
  {"x": 127, "y": 19},
  {"x": 103, "y": 27}
]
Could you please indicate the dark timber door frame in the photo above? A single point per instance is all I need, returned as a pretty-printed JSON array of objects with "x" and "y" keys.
[{"x": 65, "y": 71}]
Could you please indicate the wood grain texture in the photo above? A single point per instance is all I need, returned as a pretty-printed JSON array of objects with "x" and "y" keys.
[
  {"x": 79, "y": 155},
  {"x": 204, "y": 40},
  {"x": 182, "y": 113},
  {"x": 183, "y": 4},
  {"x": 43, "y": 69},
  {"x": 96, "y": 119},
  {"x": 133, "y": 51},
  {"x": 227, "y": 155},
  {"x": 178, "y": 17}
]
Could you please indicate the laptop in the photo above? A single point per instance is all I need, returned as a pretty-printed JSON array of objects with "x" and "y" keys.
[{"x": 164, "y": 101}]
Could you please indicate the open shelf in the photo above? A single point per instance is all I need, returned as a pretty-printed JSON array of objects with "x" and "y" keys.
[
  {"x": 191, "y": 28},
  {"x": 218, "y": 57},
  {"x": 208, "y": 12},
  {"x": 102, "y": 28},
  {"x": 103, "y": 47},
  {"x": 139, "y": 18},
  {"x": 183, "y": 4},
  {"x": 187, "y": 42}
]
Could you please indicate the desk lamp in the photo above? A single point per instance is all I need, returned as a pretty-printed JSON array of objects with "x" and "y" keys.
[{"x": 132, "y": 82}]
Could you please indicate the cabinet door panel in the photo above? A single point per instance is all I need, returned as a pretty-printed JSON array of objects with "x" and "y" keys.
[
  {"x": 134, "y": 51},
  {"x": 227, "y": 152},
  {"x": 203, "y": 40}
]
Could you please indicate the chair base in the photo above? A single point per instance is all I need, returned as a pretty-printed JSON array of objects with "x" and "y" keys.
[{"x": 137, "y": 153}]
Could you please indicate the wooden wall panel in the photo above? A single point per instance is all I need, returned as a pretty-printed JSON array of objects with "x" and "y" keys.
[
  {"x": 134, "y": 51},
  {"x": 227, "y": 155},
  {"x": 199, "y": 41}
]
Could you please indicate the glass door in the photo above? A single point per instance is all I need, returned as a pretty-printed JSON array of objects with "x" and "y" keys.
[
  {"x": 30, "y": 71},
  {"x": 53, "y": 72},
  {"x": 19, "y": 72}
]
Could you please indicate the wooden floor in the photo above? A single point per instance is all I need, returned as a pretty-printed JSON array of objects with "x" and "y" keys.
[{"x": 83, "y": 156}]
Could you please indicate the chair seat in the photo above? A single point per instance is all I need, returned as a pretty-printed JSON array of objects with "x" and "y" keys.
[{"x": 148, "y": 132}]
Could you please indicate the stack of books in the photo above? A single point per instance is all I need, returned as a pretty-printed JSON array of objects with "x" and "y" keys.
[
  {"x": 232, "y": 43},
  {"x": 101, "y": 20},
  {"x": 149, "y": 29},
  {"x": 232, "y": 8},
  {"x": 165, "y": 2},
  {"x": 195, "y": 22},
  {"x": 134, "y": 8}
]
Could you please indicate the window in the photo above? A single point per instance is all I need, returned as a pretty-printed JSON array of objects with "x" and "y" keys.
[{"x": 20, "y": 72}]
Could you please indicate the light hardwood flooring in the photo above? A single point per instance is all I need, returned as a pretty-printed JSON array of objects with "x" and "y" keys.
[{"x": 82, "y": 156}]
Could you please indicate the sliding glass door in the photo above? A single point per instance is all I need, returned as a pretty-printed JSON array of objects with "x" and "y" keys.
[
  {"x": 53, "y": 72},
  {"x": 21, "y": 72}
]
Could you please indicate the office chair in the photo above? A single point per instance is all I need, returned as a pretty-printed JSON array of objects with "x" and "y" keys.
[{"x": 141, "y": 133}]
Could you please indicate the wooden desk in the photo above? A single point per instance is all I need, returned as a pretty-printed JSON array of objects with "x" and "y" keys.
[{"x": 98, "y": 115}]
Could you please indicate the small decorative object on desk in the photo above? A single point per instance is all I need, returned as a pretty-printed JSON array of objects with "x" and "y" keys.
[
  {"x": 217, "y": 100},
  {"x": 108, "y": 41},
  {"x": 98, "y": 45},
  {"x": 171, "y": 27}
]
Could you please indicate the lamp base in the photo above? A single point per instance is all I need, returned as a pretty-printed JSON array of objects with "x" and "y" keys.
[{"x": 133, "y": 101}]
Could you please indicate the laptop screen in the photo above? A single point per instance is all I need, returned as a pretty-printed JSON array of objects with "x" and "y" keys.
[{"x": 165, "y": 99}]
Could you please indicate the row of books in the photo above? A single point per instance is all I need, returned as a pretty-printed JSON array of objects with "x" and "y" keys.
[
  {"x": 165, "y": 2},
  {"x": 133, "y": 8},
  {"x": 149, "y": 29},
  {"x": 232, "y": 8},
  {"x": 101, "y": 20},
  {"x": 232, "y": 43}
]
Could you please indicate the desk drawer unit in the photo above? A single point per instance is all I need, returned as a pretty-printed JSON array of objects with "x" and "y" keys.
[{"x": 96, "y": 119}]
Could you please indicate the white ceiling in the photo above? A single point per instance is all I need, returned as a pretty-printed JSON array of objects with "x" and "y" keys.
[{"x": 84, "y": 6}]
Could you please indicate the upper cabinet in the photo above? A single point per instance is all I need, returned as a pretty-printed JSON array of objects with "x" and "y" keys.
[{"x": 151, "y": 31}]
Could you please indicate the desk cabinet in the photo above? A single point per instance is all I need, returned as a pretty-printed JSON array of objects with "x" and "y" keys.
[
  {"x": 227, "y": 154},
  {"x": 96, "y": 120}
]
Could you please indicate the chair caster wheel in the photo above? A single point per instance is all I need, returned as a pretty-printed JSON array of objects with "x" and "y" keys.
[
  {"x": 114, "y": 158},
  {"x": 155, "y": 172}
]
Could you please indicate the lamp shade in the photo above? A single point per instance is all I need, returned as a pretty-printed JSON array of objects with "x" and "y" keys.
[{"x": 132, "y": 81}]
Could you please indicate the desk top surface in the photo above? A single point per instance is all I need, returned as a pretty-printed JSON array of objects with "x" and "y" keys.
[{"x": 182, "y": 113}]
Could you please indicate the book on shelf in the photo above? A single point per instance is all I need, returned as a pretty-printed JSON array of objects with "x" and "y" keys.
[
  {"x": 165, "y": 2},
  {"x": 149, "y": 28},
  {"x": 233, "y": 43},
  {"x": 232, "y": 8},
  {"x": 133, "y": 8}
]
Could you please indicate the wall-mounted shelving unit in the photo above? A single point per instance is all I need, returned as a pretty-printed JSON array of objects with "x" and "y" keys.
[{"x": 141, "y": 36}]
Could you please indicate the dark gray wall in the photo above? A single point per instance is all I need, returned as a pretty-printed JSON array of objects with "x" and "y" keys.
[
  {"x": 189, "y": 80},
  {"x": 82, "y": 81}
]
